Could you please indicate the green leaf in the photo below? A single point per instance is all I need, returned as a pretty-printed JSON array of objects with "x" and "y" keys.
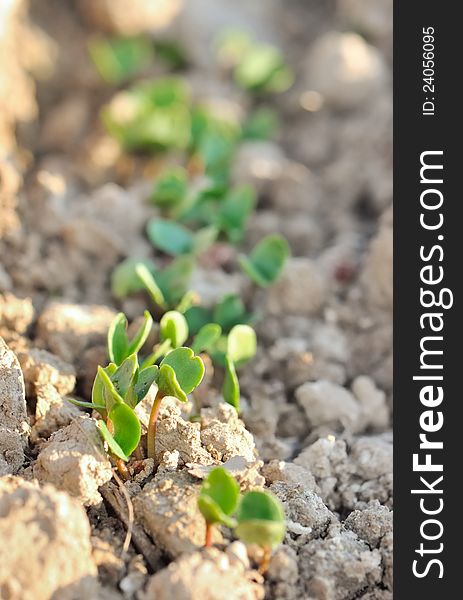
[
  {"x": 266, "y": 261},
  {"x": 142, "y": 334},
  {"x": 263, "y": 69},
  {"x": 206, "y": 338},
  {"x": 170, "y": 237},
  {"x": 188, "y": 300},
  {"x": 150, "y": 284},
  {"x": 261, "y": 519},
  {"x": 197, "y": 317},
  {"x": 98, "y": 407},
  {"x": 146, "y": 378},
  {"x": 110, "y": 394},
  {"x": 218, "y": 498},
  {"x": 203, "y": 239},
  {"x": 185, "y": 372},
  {"x": 231, "y": 385},
  {"x": 98, "y": 389},
  {"x": 170, "y": 188},
  {"x": 118, "y": 343},
  {"x": 173, "y": 327},
  {"x": 234, "y": 211},
  {"x": 118, "y": 58},
  {"x": 127, "y": 431},
  {"x": 124, "y": 278},
  {"x": 123, "y": 376},
  {"x": 242, "y": 344},
  {"x": 230, "y": 311}
]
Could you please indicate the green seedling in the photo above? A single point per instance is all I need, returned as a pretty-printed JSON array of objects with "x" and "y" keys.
[
  {"x": 118, "y": 59},
  {"x": 151, "y": 116},
  {"x": 230, "y": 311},
  {"x": 206, "y": 338},
  {"x": 241, "y": 347},
  {"x": 179, "y": 373},
  {"x": 266, "y": 261},
  {"x": 256, "y": 67},
  {"x": 234, "y": 210},
  {"x": 173, "y": 330},
  {"x": 218, "y": 500},
  {"x": 175, "y": 239},
  {"x": 119, "y": 345},
  {"x": 261, "y": 521},
  {"x": 116, "y": 392},
  {"x": 124, "y": 278}
]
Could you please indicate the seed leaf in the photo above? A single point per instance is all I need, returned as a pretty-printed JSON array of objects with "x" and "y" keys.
[
  {"x": 231, "y": 386},
  {"x": 110, "y": 394},
  {"x": 146, "y": 378},
  {"x": 141, "y": 335},
  {"x": 183, "y": 374},
  {"x": 171, "y": 188},
  {"x": 170, "y": 237},
  {"x": 173, "y": 280},
  {"x": 230, "y": 311},
  {"x": 174, "y": 327},
  {"x": 124, "y": 278},
  {"x": 118, "y": 343},
  {"x": 150, "y": 284},
  {"x": 261, "y": 519},
  {"x": 266, "y": 260},
  {"x": 218, "y": 498},
  {"x": 197, "y": 317},
  {"x": 234, "y": 211},
  {"x": 98, "y": 389},
  {"x": 123, "y": 376},
  {"x": 99, "y": 408},
  {"x": 206, "y": 338},
  {"x": 127, "y": 431},
  {"x": 241, "y": 344}
]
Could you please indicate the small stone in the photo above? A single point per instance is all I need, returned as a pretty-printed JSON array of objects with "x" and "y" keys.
[
  {"x": 327, "y": 403},
  {"x": 279, "y": 470},
  {"x": 48, "y": 553},
  {"x": 69, "y": 329},
  {"x": 16, "y": 314},
  {"x": 375, "y": 412},
  {"x": 224, "y": 434},
  {"x": 40, "y": 368},
  {"x": 74, "y": 460},
  {"x": 167, "y": 509},
  {"x": 283, "y": 565},
  {"x": 208, "y": 576},
  {"x": 52, "y": 412},
  {"x": 370, "y": 524}
]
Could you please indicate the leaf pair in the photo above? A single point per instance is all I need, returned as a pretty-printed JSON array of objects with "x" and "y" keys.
[
  {"x": 259, "y": 515},
  {"x": 119, "y": 345}
]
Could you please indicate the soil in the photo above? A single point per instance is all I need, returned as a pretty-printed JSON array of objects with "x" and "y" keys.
[{"x": 315, "y": 426}]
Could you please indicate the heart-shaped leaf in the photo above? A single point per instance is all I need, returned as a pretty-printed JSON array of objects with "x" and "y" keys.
[
  {"x": 261, "y": 519},
  {"x": 184, "y": 373},
  {"x": 170, "y": 237},
  {"x": 127, "y": 431},
  {"x": 242, "y": 344},
  {"x": 218, "y": 498},
  {"x": 141, "y": 335},
  {"x": 266, "y": 260},
  {"x": 118, "y": 343},
  {"x": 173, "y": 327},
  {"x": 206, "y": 338},
  {"x": 231, "y": 385}
]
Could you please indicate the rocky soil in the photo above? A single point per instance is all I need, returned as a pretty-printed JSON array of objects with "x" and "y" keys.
[{"x": 317, "y": 404}]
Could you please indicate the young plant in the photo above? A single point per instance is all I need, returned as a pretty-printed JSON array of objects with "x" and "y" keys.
[
  {"x": 218, "y": 500},
  {"x": 266, "y": 261},
  {"x": 173, "y": 330},
  {"x": 176, "y": 239},
  {"x": 261, "y": 521},
  {"x": 119, "y": 345},
  {"x": 178, "y": 374},
  {"x": 241, "y": 347}
]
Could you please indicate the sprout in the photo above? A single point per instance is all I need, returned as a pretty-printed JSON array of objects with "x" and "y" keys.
[
  {"x": 266, "y": 261},
  {"x": 119, "y": 345},
  {"x": 118, "y": 59},
  {"x": 179, "y": 373},
  {"x": 218, "y": 500},
  {"x": 241, "y": 347},
  {"x": 175, "y": 239},
  {"x": 261, "y": 521},
  {"x": 173, "y": 333}
]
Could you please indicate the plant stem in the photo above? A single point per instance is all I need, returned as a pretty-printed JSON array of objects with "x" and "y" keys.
[
  {"x": 208, "y": 538},
  {"x": 151, "y": 441},
  {"x": 263, "y": 568},
  {"x": 122, "y": 468}
]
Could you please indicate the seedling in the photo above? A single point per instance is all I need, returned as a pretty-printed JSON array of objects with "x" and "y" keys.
[
  {"x": 218, "y": 500},
  {"x": 234, "y": 211},
  {"x": 175, "y": 239},
  {"x": 179, "y": 373},
  {"x": 151, "y": 115},
  {"x": 116, "y": 392},
  {"x": 119, "y": 345},
  {"x": 170, "y": 189},
  {"x": 266, "y": 261},
  {"x": 241, "y": 347},
  {"x": 261, "y": 521},
  {"x": 118, "y": 59},
  {"x": 173, "y": 334}
]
